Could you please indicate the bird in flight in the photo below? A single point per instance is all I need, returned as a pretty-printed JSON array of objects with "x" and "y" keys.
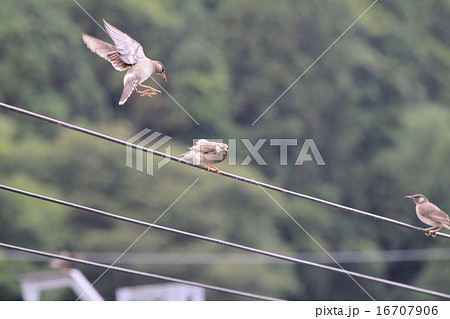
[
  {"x": 430, "y": 214},
  {"x": 127, "y": 54},
  {"x": 206, "y": 152}
]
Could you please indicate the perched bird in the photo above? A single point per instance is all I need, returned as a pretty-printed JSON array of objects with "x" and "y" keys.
[
  {"x": 61, "y": 264},
  {"x": 206, "y": 152},
  {"x": 430, "y": 214},
  {"x": 127, "y": 53}
]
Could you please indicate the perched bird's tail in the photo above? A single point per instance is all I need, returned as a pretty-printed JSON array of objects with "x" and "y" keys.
[
  {"x": 446, "y": 225},
  {"x": 186, "y": 156}
]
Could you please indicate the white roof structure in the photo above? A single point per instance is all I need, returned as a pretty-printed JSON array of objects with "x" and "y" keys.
[{"x": 32, "y": 284}]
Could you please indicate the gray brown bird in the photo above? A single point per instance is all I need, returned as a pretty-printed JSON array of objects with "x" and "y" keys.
[
  {"x": 430, "y": 214},
  {"x": 61, "y": 264},
  {"x": 206, "y": 152},
  {"x": 127, "y": 53}
]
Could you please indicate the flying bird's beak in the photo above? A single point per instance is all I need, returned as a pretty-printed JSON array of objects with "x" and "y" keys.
[{"x": 163, "y": 75}]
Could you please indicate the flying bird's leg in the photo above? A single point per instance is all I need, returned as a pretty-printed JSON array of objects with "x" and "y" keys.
[
  {"x": 208, "y": 167},
  {"x": 145, "y": 93},
  {"x": 433, "y": 233},
  {"x": 149, "y": 88}
]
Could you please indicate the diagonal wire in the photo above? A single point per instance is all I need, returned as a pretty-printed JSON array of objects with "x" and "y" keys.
[
  {"x": 222, "y": 173},
  {"x": 222, "y": 242},
  {"x": 173, "y": 99},
  {"x": 176, "y": 102},
  {"x": 137, "y": 239},
  {"x": 189, "y": 258},
  {"x": 139, "y": 273},
  {"x": 318, "y": 244},
  {"x": 315, "y": 61},
  {"x": 89, "y": 15}
]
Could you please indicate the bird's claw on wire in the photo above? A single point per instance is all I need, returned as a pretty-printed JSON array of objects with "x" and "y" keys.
[{"x": 208, "y": 168}]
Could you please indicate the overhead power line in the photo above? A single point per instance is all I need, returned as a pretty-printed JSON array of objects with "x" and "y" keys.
[
  {"x": 139, "y": 273},
  {"x": 222, "y": 242},
  {"x": 222, "y": 173},
  {"x": 188, "y": 258}
]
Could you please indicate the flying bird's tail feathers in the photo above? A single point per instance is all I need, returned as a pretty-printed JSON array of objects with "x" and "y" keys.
[{"x": 130, "y": 83}]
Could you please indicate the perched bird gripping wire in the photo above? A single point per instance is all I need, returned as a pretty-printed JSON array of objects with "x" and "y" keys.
[
  {"x": 430, "y": 214},
  {"x": 206, "y": 152}
]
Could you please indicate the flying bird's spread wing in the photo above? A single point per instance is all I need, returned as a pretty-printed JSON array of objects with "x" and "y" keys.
[
  {"x": 99, "y": 47},
  {"x": 129, "y": 50},
  {"x": 106, "y": 51}
]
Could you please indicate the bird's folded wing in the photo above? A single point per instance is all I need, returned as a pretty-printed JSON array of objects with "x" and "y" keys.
[
  {"x": 130, "y": 50},
  {"x": 207, "y": 148},
  {"x": 201, "y": 141},
  {"x": 106, "y": 51},
  {"x": 433, "y": 212},
  {"x": 440, "y": 216}
]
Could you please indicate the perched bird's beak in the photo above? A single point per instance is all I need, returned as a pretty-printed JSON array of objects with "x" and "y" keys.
[
  {"x": 409, "y": 197},
  {"x": 163, "y": 75}
]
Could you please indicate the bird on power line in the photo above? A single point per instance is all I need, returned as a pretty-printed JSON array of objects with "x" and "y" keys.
[
  {"x": 61, "y": 264},
  {"x": 206, "y": 152},
  {"x": 127, "y": 53},
  {"x": 430, "y": 214}
]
